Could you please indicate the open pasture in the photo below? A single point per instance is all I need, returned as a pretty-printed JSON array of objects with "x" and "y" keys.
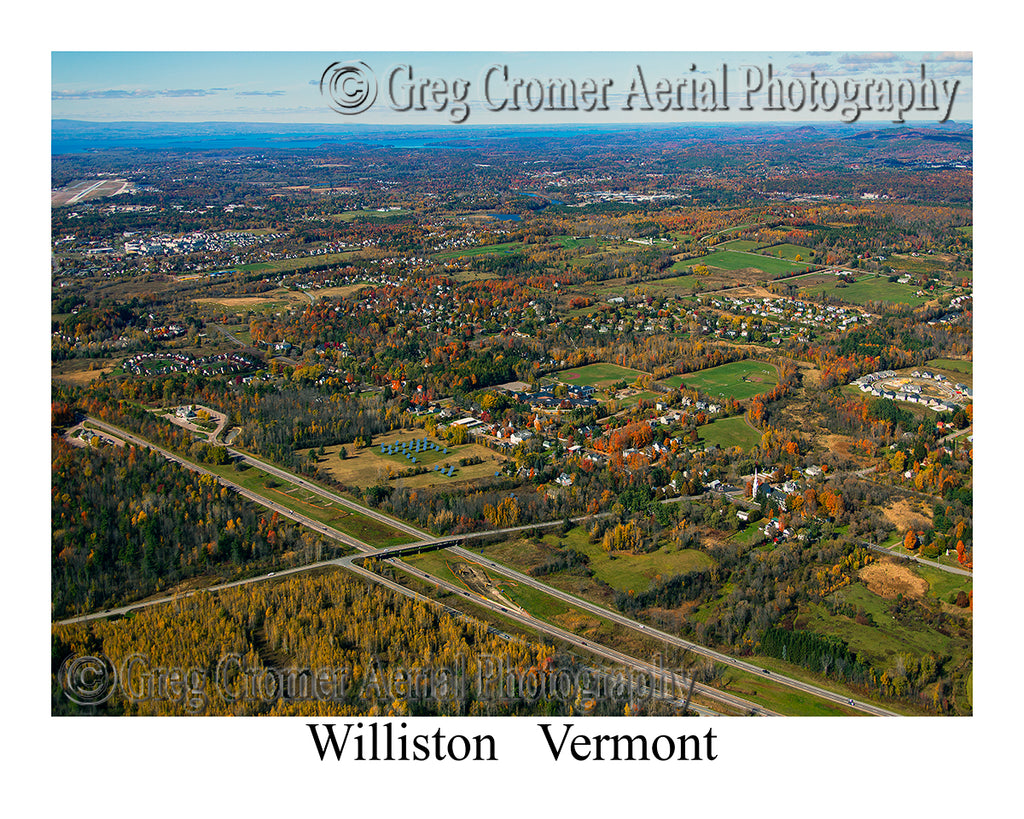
[
  {"x": 739, "y": 380},
  {"x": 598, "y": 375}
]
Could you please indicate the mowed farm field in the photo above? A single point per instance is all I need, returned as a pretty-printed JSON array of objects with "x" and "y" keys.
[
  {"x": 788, "y": 251},
  {"x": 739, "y": 380},
  {"x": 866, "y": 289},
  {"x": 598, "y": 375},
  {"x": 738, "y": 260},
  {"x": 730, "y": 432},
  {"x": 480, "y": 250}
]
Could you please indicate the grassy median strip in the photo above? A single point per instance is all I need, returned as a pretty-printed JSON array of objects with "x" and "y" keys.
[
  {"x": 306, "y": 502},
  {"x": 778, "y": 696}
]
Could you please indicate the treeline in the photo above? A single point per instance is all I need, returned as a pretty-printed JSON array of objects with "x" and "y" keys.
[
  {"x": 668, "y": 594},
  {"x": 274, "y": 421},
  {"x": 931, "y": 681},
  {"x": 278, "y": 423},
  {"x": 816, "y": 652},
  {"x": 127, "y": 523}
]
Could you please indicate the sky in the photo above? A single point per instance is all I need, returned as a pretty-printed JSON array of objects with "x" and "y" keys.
[{"x": 285, "y": 87}]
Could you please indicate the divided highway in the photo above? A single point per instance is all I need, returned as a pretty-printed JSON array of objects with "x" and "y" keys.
[{"x": 425, "y": 539}]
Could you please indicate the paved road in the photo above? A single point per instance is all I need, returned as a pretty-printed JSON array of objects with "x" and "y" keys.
[
  {"x": 291, "y": 477},
  {"x": 921, "y": 560},
  {"x": 260, "y": 499},
  {"x": 673, "y": 682},
  {"x": 426, "y": 538},
  {"x": 226, "y": 332},
  {"x": 671, "y": 639},
  {"x": 957, "y": 434}
]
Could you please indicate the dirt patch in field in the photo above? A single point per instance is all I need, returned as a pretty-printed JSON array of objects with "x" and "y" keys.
[
  {"x": 842, "y": 446},
  {"x": 751, "y": 292},
  {"x": 477, "y": 580},
  {"x": 795, "y": 414},
  {"x": 811, "y": 376},
  {"x": 887, "y": 579},
  {"x": 907, "y": 514},
  {"x": 249, "y": 301},
  {"x": 80, "y": 377},
  {"x": 338, "y": 292}
]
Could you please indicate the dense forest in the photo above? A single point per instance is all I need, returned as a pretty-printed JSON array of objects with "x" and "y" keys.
[
  {"x": 319, "y": 645},
  {"x": 127, "y": 523}
]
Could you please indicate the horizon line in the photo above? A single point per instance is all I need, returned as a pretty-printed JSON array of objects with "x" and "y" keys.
[{"x": 456, "y": 126}]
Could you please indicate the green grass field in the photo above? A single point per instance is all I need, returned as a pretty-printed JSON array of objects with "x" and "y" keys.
[
  {"x": 736, "y": 260},
  {"x": 729, "y": 432},
  {"x": 437, "y": 564},
  {"x": 155, "y": 364},
  {"x": 349, "y": 215},
  {"x": 737, "y": 244},
  {"x": 952, "y": 364},
  {"x": 569, "y": 241},
  {"x": 746, "y": 535},
  {"x": 887, "y": 636},
  {"x": 626, "y": 572},
  {"x": 300, "y": 263},
  {"x": 778, "y": 697},
  {"x": 739, "y": 380},
  {"x": 480, "y": 250},
  {"x": 941, "y": 584},
  {"x": 788, "y": 251},
  {"x": 871, "y": 288},
  {"x": 621, "y": 571},
  {"x": 673, "y": 282},
  {"x": 598, "y": 375}
]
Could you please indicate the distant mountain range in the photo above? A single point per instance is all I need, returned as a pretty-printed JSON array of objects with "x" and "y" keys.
[{"x": 953, "y": 132}]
